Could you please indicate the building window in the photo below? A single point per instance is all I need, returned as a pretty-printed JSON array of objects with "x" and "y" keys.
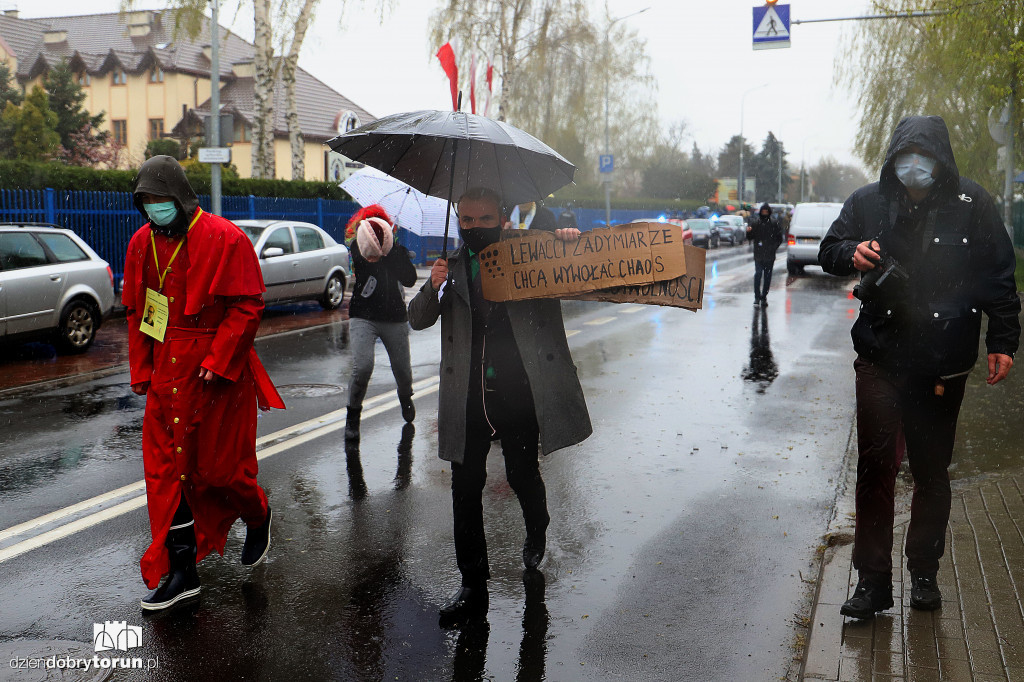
[
  {"x": 120, "y": 131},
  {"x": 119, "y": 77},
  {"x": 156, "y": 128},
  {"x": 156, "y": 75},
  {"x": 84, "y": 79},
  {"x": 242, "y": 132}
]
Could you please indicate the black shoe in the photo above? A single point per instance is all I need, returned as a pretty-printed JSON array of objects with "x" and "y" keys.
[
  {"x": 464, "y": 604},
  {"x": 257, "y": 542},
  {"x": 408, "y": 409},
  {"x": 533, "y": 550},
  {"x": 182, "y": 583},
  {"x": 924, "y": 593},
  {"x": 757, "y": 303},
  {"x": 764, "y": 302},
  {"x": 352, "y": 423},
  {"x": 869, "y": 597}
]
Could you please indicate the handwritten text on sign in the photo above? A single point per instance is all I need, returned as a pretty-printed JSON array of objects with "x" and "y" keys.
[
  {"x": 537, "y": 265},
  {"x": 686, "y": 291}
]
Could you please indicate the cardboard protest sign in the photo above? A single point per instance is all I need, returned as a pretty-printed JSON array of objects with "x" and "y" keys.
[
  {"x": 686, "y": 291},
  {"x": 535, "y": 264}
]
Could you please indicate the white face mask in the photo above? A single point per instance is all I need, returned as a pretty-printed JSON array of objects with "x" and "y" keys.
[{"x": 915, "y": 170}]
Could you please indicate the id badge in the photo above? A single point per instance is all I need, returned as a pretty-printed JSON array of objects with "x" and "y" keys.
[{"x": 154, "y": 315}]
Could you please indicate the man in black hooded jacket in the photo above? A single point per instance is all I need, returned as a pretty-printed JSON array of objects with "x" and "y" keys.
[
  {"x": 765, "y": 233},
  {"x": 934, "y": 255}
]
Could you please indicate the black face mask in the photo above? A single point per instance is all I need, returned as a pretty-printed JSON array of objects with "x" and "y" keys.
[
  {"x": 479, "y": 238},
  {"x": 764, "y": 218}
]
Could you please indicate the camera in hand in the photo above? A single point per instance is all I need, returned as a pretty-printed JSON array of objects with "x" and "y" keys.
[{"x": 884, "y": 281}]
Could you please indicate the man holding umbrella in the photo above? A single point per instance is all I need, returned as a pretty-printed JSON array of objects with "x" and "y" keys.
[{"x": 506, "y": 374}]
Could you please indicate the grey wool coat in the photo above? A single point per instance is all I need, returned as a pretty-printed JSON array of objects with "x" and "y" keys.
[{"x": 540, "y": 335}]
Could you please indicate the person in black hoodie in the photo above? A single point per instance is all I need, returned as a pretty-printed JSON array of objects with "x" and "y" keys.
[
  {"x": 377, "y": 310},
  {"x": 764, "y": 232},
  {"x": 946, "y": 257}
]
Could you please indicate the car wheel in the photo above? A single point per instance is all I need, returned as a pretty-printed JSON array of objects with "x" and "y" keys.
[
  {"x": 79, "y": 322},
  {"x": 334, "y": 292},
  {"x": 794, "y": 268}
]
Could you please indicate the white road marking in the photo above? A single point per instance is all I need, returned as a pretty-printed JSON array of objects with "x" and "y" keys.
[
  {"x": 600, "y": 320},
  {"x": 631, "y": 309},
  {"x": 571, "y": 332},
  {"x": 330, "y": 422}
]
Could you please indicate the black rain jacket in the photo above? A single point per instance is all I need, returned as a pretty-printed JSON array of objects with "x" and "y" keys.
[
  {"x": 765, "y": 235},
  {"x": 377, "y": 293},
  {"x": 955, "y": 250}
]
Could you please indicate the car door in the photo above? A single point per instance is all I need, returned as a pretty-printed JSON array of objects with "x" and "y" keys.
[
  {"x": 34, "y": 284},
  {"x": 280, "y": 273},
  {"x": 314, "y": 261}
]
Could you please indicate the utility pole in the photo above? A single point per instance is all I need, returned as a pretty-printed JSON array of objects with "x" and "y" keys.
[{"x": 214, "y": 105}]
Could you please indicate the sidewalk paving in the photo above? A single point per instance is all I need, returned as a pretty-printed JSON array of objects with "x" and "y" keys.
[{"x": 978, "y": 635}]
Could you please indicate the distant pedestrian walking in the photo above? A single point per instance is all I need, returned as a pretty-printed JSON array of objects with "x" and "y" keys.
[
  {"x": 765, "y": 235},
  {"x": 377, "y": 310}
]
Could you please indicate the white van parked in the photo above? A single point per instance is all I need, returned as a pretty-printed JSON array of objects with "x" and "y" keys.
[{"x": 807, "y": 228}]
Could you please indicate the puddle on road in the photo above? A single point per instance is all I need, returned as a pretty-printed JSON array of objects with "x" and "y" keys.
[{"x": 309, "y": 390}]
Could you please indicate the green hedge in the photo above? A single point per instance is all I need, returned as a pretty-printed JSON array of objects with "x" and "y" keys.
[{"x": 25, "y": 175}]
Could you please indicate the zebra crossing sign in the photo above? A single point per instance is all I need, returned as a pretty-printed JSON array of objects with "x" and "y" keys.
[{"x": 771, "y": 27}]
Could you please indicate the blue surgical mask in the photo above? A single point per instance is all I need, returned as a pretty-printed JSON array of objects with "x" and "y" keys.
[
  {"x": 163, "y": 213},
  {"x": 915, "y": 170}
]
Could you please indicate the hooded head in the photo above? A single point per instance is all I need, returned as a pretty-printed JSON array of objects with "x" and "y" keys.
[
  {"x": 765, "y": 212},
  {"x": 921, "y": 134},
  {"x": 163, "y": 176}
]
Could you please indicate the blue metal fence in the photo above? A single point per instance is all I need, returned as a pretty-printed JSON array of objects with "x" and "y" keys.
[{"x": 107, "y": 220}]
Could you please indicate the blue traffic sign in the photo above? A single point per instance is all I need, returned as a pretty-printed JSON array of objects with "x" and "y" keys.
[
  {"x": 606, "y": 163},
  {"x": 771, "y": 27}
]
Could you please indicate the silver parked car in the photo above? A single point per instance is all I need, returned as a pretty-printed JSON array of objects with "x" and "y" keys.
[
  {"x": 52, "y": 286},
  {"x": 733, "y": 228},
  {"x": 299, "y": 261}
]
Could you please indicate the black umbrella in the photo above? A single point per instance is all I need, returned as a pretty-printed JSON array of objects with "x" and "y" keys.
[{"x": 444, "y": 153}]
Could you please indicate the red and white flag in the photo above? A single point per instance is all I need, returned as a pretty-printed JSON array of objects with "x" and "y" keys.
[
  {"x": 490, "y": 86},
  {"x": 446, "y": 55},
  {"x": 472, "y": 84}
]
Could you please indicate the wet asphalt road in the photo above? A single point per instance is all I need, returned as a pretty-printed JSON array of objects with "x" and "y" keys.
[{"x": 679, "y": 529}]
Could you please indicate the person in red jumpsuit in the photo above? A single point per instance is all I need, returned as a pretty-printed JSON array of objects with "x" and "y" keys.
[{"x": 193, "y": 359}]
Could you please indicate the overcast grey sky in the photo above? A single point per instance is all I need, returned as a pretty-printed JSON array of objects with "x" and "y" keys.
[{"x": 700, "y": 50}]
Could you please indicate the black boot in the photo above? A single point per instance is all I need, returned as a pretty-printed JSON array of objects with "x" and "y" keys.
[
  {"x": 352, "y": 423},
  {"x": 924, "y": 592},
  {"x": 408, "y": 409},
  {"x": 257, "y": 541},
  {"x": 182, "y": 583},
  {"x": 871, "y": 595},
  {"x": 469, "y": 601},
  {"x": 533, "y": 549}
]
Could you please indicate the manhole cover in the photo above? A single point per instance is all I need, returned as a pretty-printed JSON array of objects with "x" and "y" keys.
[
  {"x": 51, "y": 661},
  {"x": 309, "y": 390}
]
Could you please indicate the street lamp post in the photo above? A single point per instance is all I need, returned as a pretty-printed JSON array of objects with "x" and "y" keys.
[
  {"x": 742, "y": 179},
  {"x": 607, "y": 138}
]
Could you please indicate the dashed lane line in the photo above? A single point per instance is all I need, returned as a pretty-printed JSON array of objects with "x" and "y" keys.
[
  {"x": 599, "y": 321},
  {"x": 629, "y": 310},
  {"x": 569, "y": 333},
  {"x": 267, "y": 446}
]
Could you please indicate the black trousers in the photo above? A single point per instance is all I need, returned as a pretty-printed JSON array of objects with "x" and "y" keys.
[
  {"x": 762, "y": 273},
  {"x": 897, "y": 412},
  {"x": 511, "y": 413}
]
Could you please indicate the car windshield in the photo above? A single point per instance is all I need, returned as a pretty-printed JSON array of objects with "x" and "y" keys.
[
  {"x": 699, "y": 225},
  {"x": 253, "y": 232}
]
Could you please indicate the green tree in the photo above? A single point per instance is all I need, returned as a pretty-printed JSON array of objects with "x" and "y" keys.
[
  {"x": 729, "y": 159},
  {"x": 66, "y": 98},
  {"x": 33, "y": 127},
  {"x": 9, "y": 92},
  {"x": 671, "y": 173},
  {"x": 766, "y": 168},
  {"x": 834, "y": 181},
  {"x": 164, "y": 146},
  {"x": 958, "y": 66}
]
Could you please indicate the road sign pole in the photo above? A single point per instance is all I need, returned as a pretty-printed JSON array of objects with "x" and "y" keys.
[{"x": 214, "y": 105}]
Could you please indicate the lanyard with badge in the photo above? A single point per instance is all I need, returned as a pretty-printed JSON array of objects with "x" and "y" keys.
[{"x": 157, "y": 310}]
